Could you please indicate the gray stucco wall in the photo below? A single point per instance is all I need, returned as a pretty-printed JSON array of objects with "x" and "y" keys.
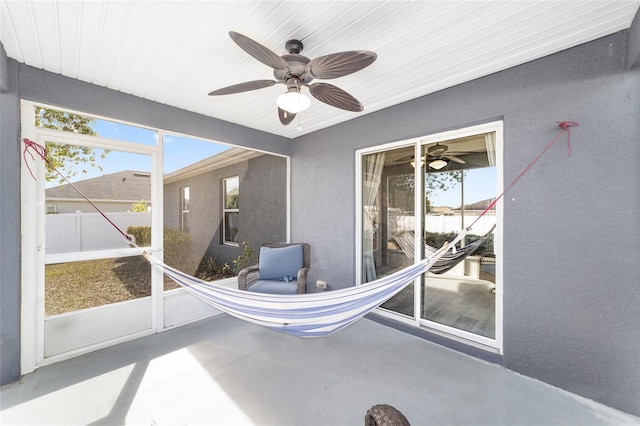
[
  {"x": 9, "y": 223},
  {"x": 205, "y": 194},
  {"x": 571, "y": 225},
  {"x": 263, "y": 210},
  {"x": 633, "y": 53},
  {"x": 263, "y": 201}
]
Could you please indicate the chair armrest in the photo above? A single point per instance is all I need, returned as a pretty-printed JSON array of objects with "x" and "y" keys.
[
  {"x": 302, "y": 280},
  {"x": 244, "y": 277}
]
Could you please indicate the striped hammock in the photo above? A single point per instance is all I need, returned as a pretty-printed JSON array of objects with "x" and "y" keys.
[
  {"x": 305, "y": 315},
  {"x": 448, "y": 261}
]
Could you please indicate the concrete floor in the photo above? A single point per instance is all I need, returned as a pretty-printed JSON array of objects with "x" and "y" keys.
[{"x": 223, "y": 371}]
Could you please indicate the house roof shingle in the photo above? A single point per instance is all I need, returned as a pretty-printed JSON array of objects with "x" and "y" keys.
[{"x": 125, "y": 185}]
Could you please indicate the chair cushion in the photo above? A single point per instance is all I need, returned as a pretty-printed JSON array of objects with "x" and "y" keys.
[
  {"x": 274, "y": 287},
  {"x": 281, "y": 263}
]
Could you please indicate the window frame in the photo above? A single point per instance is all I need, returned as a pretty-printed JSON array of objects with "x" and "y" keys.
[
  {"x": 226, "y": 210},
  {"x": 184, "y": 223}
]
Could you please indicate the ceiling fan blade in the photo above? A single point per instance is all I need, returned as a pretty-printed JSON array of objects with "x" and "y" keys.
[
  {"x": 243, "y": 87},
  {"x": 456, "y": 159},
  {"x": 340, "y": 64},
  {"x": 437, "y": 149},
  {"x": 403, "y": 160},
  {"x": 258, "y": 51},
  {"x": 285, "y": 117},
  {"x": 334, "y": 96}
]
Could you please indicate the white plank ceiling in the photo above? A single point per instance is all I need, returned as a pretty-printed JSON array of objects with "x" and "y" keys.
[{"x": 176, "y": 52}]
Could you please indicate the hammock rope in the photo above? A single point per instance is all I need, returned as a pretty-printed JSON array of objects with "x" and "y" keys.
[
  {"x": 305, "y": 315},
  {"x": 42, "y": 153},
  {"x": 564, "y": 128}
]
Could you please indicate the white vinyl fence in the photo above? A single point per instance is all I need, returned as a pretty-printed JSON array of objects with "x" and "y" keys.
[
  {"x": 81, "y": 232},
  {"x": 442, "y": 224}
]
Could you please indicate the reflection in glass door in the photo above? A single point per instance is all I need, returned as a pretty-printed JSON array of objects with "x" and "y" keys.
[
  {"x": 458, "y": 179},
  {"x": 456, "y": 294},
  {"x": 388, "y": 212}
]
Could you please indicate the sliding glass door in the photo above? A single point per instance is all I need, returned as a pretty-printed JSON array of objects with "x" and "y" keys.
[{"x": 416, "y": 196}]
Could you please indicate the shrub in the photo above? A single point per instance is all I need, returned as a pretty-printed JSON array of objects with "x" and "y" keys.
[
  {"x": 142, "y": 234},
  {"x": 177, "y": 247},
  {"x": 247, "y": 258},
  {"x": 210, "y": 269},
  {"x": 437, "y": 239},
  {"x": 139, "y": 207}
]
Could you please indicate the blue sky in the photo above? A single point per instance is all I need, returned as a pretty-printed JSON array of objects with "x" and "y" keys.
[
  {"x": 479, "y": 184},
  {"x": 180, "y": 151}
]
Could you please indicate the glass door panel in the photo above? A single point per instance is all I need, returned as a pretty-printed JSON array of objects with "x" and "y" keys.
[
  {"x": 388, "y": 214},
  {"x": 457, "y": 190}
]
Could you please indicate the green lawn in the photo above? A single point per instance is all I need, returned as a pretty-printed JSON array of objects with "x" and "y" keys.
[{"x": 80, "y": 285}]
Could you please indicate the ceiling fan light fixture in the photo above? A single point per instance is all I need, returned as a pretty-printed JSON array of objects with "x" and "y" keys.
[
  {"x": 413, "y": 162},
  {"x": 437, "y": 164},
  {"x": 293, "y": 101}
]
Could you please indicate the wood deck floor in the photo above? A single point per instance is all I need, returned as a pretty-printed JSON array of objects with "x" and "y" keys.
[{"x": 461, "y": 302}]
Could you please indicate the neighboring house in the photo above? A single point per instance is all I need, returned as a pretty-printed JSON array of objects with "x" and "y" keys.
[
  {"x": 194, "y": 202},
  {"x": 474, "y": 208},
  {"x": 114, "y": 192},
  {"x": 441, "y": 211}
]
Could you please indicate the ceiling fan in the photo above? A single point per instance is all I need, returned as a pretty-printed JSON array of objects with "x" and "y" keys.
[
  {"x": 438, "y": 158},
  {"x": 295, "y": 71}
]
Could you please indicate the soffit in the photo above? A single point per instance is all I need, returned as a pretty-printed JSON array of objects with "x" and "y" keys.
[{"x": 175, "y": 52}]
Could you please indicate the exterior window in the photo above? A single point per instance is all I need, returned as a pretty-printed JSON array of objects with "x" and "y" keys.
[
  {"x": 52, "y": 209},
  {"x": 184, "y": 209},
  {"x": 231, "y": 210}
]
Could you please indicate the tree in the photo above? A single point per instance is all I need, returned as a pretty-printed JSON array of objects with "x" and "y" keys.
[
  {"x": 68, "y": 158},
  {"x": 441, "y": 181},
  {"x": 139, "y": 207},
  {"x": 233, "y": 199},
  {"x": 401, "y": 187}
]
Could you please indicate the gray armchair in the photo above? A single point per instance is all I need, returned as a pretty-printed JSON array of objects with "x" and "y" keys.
[{"x": 282, "y": 269}]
